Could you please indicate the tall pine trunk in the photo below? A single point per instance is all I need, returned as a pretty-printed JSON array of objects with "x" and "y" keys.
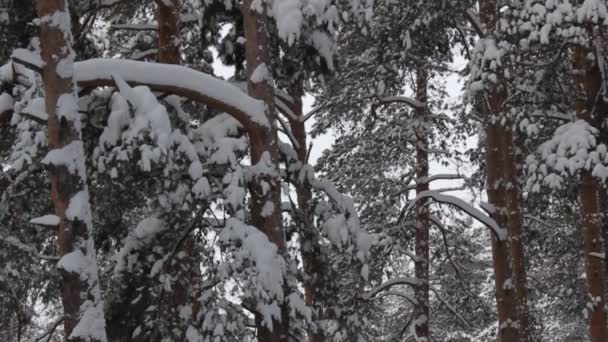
[
  {"x": 264, "y": 187},
  {"x": 80, "y": 293},
  {"x": 167, "y": 12},
  {"x": 588, "y": 81},
  {"x": 496, "y": 162},
  {"x": 310, "y": 240},
  {"x": 422, "y": 312},
  {"x": 513, "y": 198},
  {"x": 185, "y": 268}
]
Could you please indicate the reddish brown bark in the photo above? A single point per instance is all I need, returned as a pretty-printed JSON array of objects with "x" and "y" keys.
[
  {"x": 310, "y": 240},
  {"x": 184, "y": 269},
  {"x": 55, "y": 47},
  {"x": 264, "y": 187},
  {"x": 513, "y": 198},
  {"x": 168, "y": 30},
  {"x": 588, "y": 81},
  {"x": 497, "y": 143},
  {"x": 422, "y": 312}
]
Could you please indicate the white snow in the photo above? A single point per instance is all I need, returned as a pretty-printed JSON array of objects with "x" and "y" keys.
[
  {"x": 501, "y": 234},
  {"x": 143, "y": 234},
  {"x": 71, "y": 156},
  {"x": 598, "y": 255},
  {"x": 260, "y": 74},
  {"x": 288, "y": 16},
  {"x": 201, "y": 188},
  {"x": 73, "y": 262},
  {"x": 36, "y": 108},
  {"x": 79, "y": 207},
  {"x": 6, "y": 102},
  {"x": 187, "y": 82},
  {"x": 270, "y": 268},
  {"x": 29, "y": 57},
  {"x": 92, "y": 325},
  {"x": 46, "y": 220}
]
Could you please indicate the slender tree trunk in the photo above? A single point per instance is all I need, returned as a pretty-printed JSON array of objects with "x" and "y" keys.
[
  {"x": 506, "y": 303},
  {"x": 310, "y": 239},
  {"x": 422, "y": 312},
  {"x": 168, "y": 31},
  {"x": 588, "y": 80},
  {"x": 265, "y": 187},
  {"x": 184, "y": 269},
  {"x": 81, "y": 296}
]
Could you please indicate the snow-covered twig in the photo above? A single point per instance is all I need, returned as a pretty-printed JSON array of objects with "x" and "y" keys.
[
  {"x": 500, "y": 233},
  {"x": 49, "y": 333},
  {"x": 450, "y": 307},
  {"x": 404, "y": 99},
  {"x": 390, "y": 283},
  {"x": 15, "y": 242},
  {"x": 284, "y": 108}
]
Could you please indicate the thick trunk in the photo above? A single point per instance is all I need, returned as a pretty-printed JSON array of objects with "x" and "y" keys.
[
  {"x": 168, "y": 31},
  {"x": 422, "y": 312},
  {"x": 505, "y": 295},
  {"x": 588, "y": 81},
  {"x": 265, "y": 186},
  {"x": 499, "y": 148},
  {"x": 513, "y": 199},
  {"x": 69, "y": 193}
]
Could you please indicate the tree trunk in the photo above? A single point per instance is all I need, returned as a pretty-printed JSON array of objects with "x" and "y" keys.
[
  {"x": 310, "y": 239},
  {"x": 422, "y": 312},
  {"x": 514, "y": 199},
  {"x": 168, "y": 31},
  {"x": 81, "y": 296},
  {"x": 496, "y": 139},
  {"x": 264, "y": 187},
  {"x": 184, "y": 269},
  {"x": 588, "y": 81}
]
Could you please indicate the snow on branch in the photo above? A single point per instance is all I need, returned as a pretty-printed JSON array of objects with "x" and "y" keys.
[
  {"x": 473, "y": 19},
  {"x": 405, "y": 296},
  {"x": 404, "y": 99},
  {"x": 390, "y": 283},
  {"x": 477, "y": 214},
  {"x": 174, "y": 79},
  {"x": 29, "y": 59},
  {"x": 29, "y": 249}
]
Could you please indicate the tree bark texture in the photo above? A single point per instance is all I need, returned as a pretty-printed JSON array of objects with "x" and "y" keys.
[
  {"x": 167, "y": 12},
  {"x": 310, "y": 238},
  {"x": 79, "y": 287},
  {"x": 496, "y": 139},
  {"x": 588, "y": 81},
  {"x": 422, "y": 312},
  {"x": 265, "y": 187}
]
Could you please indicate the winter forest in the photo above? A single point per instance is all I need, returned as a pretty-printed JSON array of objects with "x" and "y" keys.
[{"x": 303, "y": 170}]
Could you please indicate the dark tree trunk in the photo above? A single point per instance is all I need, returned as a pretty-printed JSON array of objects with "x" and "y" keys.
[
  {"x": 514, "y": 199},
  {"x": 168, "y": 31},
  {"x": 422, "y": 312},
  {"x": 588, "y": 81},
  {"x": 498, "y": 141}
]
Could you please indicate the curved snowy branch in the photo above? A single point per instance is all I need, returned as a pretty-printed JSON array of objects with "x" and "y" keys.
[
  {"x": 174, "y": 79},
  {"x": 390, "y": 283},
  {"x": 477, "y": 214},
  {"x": 404, "y": 99},
  {"x": 407, "y": 297}
]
